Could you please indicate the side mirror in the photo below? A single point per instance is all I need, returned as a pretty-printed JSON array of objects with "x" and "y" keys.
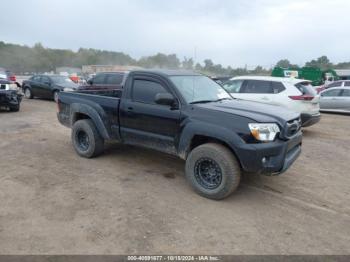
[
  {"x": 164, "y": 99},
  {"x": 90, "y": 82}
]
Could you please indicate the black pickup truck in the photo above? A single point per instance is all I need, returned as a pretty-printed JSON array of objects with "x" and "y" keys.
[{"x": 188, "y": 115}]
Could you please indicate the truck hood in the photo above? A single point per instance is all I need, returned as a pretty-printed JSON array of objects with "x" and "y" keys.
[{"x": 256, "y": 111}]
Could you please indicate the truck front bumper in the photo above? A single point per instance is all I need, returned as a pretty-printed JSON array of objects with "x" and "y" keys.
[
  {"x": 271, "y": 158},
  {"x": 10, "y": 98}
]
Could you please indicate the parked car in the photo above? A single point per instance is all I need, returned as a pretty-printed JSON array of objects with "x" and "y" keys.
[
  {"x": 47, "y": 86},
  {"x": 335, "y": 99},
  {"x": 10, "y": 96},
  {"x": 7, "y": 74},
  {"x": 188, "y": 115},
  {"x": 295, "y": 94},
  {"x": 106, "y": 80},
  {"x": 340, "y": 83}
]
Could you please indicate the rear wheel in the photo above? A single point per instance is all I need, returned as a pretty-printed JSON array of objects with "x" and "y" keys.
[
  {"x": 86, "y": 140},
  {"x": 28, "y": 93},
  {"x": 213, "y": 171}
]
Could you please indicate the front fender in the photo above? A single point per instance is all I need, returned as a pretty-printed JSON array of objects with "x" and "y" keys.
[{"x": 205, "y": 129}]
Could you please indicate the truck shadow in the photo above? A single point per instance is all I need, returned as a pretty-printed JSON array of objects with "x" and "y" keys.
[
  {"x": 171, "y": 167},
  {"x": 309, "y": 133}
]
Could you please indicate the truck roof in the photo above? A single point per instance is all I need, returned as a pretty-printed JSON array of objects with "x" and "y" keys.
[{"x": 167, "y": 72}]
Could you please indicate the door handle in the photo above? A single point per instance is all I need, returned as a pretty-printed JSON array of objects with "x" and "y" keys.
[{"x": 130, "y": 110}]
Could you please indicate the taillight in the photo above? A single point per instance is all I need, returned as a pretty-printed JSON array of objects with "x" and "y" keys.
[
  {"x": 12, "y": 78},
  {"x": 303, "y": 97}
]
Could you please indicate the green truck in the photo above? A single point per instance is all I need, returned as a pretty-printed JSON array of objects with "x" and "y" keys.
[{"x": 314, "y": 74}]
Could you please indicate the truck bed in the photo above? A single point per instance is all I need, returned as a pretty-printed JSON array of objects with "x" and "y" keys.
[
  {"x": 89, "y": 102},
  {"x": 116, "y": 93}
]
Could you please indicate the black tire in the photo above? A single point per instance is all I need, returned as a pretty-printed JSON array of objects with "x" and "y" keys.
[
  {"x": 213, "y": 171},
  {"x": 86, "y": 139},
  {"x": 28, "y": 93},
  {"x": 15, "y": 108},
  {"x": 55, "y": 95}
]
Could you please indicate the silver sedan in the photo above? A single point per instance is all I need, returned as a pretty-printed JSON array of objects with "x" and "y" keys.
[{"x": 336, "y": 99}]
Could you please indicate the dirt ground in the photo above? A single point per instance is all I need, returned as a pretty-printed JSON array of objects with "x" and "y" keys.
[{"x": 133, "y": 200}]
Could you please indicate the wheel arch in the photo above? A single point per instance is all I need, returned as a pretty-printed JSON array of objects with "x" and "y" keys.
[
  {"x": 81, "y": 111},
  {"x": 27, "y": 86},
  {"x": 198, "y": 140},
  {"x": 199, "y": 134}
]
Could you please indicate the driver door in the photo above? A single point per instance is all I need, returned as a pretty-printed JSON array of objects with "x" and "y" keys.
[{"x": 143, "y": 122}]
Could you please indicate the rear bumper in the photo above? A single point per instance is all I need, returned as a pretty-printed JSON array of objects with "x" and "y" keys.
[
  {"x": 10, "y": 98},
  {"x": 309, "y": 119},
  {"x": 270, "y": 158}
]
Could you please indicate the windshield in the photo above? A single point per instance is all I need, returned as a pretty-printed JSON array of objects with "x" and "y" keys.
[
  {"x": 199, "y": 89},
  {"x": 61, "y": 79}
]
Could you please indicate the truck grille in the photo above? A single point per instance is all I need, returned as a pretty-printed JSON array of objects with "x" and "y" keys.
[{"x": 292, "y": 127}]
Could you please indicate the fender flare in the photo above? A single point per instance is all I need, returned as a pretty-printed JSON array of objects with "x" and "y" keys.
[
  {"x": 93, "y": 114},
  {"x": 205, "y": 129}
]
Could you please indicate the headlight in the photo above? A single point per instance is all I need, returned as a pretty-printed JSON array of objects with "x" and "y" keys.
[{"x": 264, "y": 132}]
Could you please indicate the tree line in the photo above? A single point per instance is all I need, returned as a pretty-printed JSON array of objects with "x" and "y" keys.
[{"x": 37, "y": 59}]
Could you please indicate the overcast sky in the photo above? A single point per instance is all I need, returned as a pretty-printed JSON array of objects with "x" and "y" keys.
[{"x": 231, "y": 32}]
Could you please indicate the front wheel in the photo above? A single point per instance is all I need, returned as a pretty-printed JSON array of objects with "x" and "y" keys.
[
  {"x": 28, "y": 93},
  {"x": 86, "y": 139},
  {"x": 213, "y": 171}
]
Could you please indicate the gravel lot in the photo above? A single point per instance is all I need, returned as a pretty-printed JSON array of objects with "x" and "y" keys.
[{"x": 133, "y": 200}]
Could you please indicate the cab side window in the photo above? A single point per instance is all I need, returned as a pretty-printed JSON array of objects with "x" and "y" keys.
[{"x": 144, "y": 91}]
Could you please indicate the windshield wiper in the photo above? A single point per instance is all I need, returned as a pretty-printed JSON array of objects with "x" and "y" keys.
[
  {"x": 225, "y": 98},
  {"x": 202, "y": 101},
  {"x": 210, "y": 101}
]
